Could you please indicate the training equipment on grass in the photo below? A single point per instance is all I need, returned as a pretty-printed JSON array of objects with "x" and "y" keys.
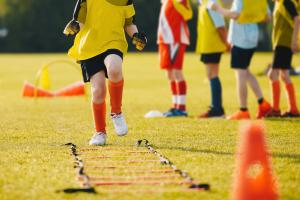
[
  {"x": 253, "y": 173},
  {"x": 42, "y": 85},
  {"x": 30, "y": 90},
  {"x": 153, "y": 114},
  {"x": 129, "y": 169}
]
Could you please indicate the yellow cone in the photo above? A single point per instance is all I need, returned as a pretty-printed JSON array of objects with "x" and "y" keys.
[{"x": 44, "y": 79}]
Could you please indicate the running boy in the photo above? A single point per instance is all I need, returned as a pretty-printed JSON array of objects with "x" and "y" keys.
[
  {"x": 243, "y": 36},
  {"x": 99, "y": 46},
  {"x": 173, "y": 38},
  {"x": 211, "y": 43},
  {"x": 285, "y": 43}
]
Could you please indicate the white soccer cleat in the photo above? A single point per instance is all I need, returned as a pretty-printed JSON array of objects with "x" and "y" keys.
[
  {"x": 98, "y": 139},
  {"x": 120, "y": 125}
]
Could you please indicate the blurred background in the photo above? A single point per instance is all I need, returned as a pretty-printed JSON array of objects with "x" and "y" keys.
[{"x": 37, "y": 25}]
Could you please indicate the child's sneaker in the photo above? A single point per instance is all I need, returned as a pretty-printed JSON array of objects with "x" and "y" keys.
[
  {"x": 170, "y": 113},
  {"x": 239, "y": 115},
  {"x": 263, "y": 109},
  {"x": 175, "y": 113},
  {"x": 181, "y": 113},
  {"x": 98, "y": 139},
  {"x": 274, "y": 113},
  {"x": 120, "y": 125},
  {"x": 291, "y": 114},
  {"x": 213, "y": 113}
]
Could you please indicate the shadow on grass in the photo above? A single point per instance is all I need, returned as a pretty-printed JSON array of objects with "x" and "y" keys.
[{"x": 295, "y": 157}]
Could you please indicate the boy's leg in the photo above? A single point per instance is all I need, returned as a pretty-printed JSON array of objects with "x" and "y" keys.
[
  {"x": 282, "y": 63},
  {"x": 242, "y": 90},
  {"x": 98, "y": 91},
  {"x": 211, "y": 62},
  {"x": 264, "y": 107},
  {"x": 291, "y": 96},
  {"x": 181, "y": 89},
  {"x": 215, "y": 85},
  {"x": 113, "y": 64},
  {"x": 177, "y": 65},
  {"x": 275, "y": 88},
  {"x": 173, "y": 88}
]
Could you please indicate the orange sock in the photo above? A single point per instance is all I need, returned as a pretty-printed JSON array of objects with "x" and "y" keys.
[
  {"x": 99, "y": 113},
  {"x": 276, "y": 95},
  {"x": 291, "y": 97},
  {"x": 116, "y": 93}
]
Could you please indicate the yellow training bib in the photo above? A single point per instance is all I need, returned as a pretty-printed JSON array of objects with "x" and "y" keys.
[
  {"x": 208, "y": 40},
  {"x": 254, "y": 11},
  {"x": 103, "y": 30}
]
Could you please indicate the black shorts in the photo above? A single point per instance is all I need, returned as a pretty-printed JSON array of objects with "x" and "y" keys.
[
  {"x": 211, "y": 58},
  {"x": 96, "y": 64},
  {"x": 282, "y": 58},
  {"x": 241, "y": 58}
]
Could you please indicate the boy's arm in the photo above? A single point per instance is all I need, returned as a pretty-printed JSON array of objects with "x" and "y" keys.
[
  {"x": 222, "y": 31},
  {"x": 79, "y": 15},
  {"x": 295, "y": 46},
  {"x": 186, "y": 12},
  {"x": 291, "y": 9},
  {"x": 225, "y": 12},
  {"x": 219, "y": 24}
]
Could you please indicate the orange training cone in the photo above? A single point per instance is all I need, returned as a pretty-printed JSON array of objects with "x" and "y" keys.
[
  {"x": 75, "y": 89},
  {"x": 253, "y": 175},
  {"x": 30, "y": 90}
]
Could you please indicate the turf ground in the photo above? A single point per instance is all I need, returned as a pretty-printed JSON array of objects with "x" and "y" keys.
[{"x": 33, "y": 164}]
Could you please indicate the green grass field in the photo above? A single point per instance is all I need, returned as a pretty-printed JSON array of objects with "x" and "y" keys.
[{"x": 34, "y": 164}]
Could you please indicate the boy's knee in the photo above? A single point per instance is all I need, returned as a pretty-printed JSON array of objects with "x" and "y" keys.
[
  {"x": 178, "y": 75},
  {"x": 98, "y": 94},
  {"x": 285, "y": 77},
  {"x": 273, "y": 75},
  {"x": 114, "y": 72}
]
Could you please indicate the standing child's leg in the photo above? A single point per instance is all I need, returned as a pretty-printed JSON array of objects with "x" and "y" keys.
[
  {"x": 98, "y": 90},
  {"x": 241, "y": 77},
  {"x": 181, "y": 89},
  {"x": 216, "y": 106},
  {"x": 275, "y": 88},
  {"x": 264, "y": 107},
  {"x": 113, "y": 64},
  {"x": 173, "y": 88},
  {"x": 291, "y": 96}
]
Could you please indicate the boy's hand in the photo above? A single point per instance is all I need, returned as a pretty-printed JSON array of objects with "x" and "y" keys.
[
  {"x": 72, "y": 28},
  {"x": 139, "y": 40},
  {"x": 213, "y": 6}
]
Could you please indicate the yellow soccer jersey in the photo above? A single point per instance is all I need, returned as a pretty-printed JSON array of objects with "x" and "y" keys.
[
  {"x": 103, "y": 29},
  {"x": 283, "y": 25}
]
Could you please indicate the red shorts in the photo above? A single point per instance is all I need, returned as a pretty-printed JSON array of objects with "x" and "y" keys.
[{"x": 171, "y": 56}]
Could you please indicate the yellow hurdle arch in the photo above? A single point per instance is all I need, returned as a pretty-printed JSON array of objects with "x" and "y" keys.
[{"x": 46, "y": 66}]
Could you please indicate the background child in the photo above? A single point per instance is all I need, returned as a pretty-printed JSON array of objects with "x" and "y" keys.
[
  {"x": 173, "y": 37},
  {"x": 243, "y": 36},
  {"x": 99, "y": 46},
  {"x": 285, "y": 43},
  {"x": 211, "y": 43}
]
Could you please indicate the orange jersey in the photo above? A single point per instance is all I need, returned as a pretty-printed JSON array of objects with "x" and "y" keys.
[{"x": 173, "y": 28}]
